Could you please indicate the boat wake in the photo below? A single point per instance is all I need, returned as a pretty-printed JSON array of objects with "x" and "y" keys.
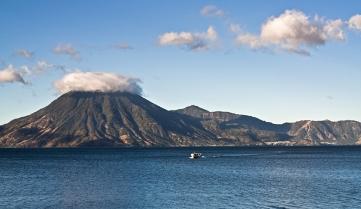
[{"x": 232, "y": 155}]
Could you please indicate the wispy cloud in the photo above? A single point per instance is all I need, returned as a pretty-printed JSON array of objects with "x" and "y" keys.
[
  {"x": 212, "y": 11},
  {"x": 67, "y": 49},
  {"x": 24, "y": 53},
  {"x": 98, "y": 81},
  {"x": 330, "y": 97},
  {"x": 189, "y": 40},
  {"x": 294, "y": 32},
  {"x": 11, "y": 75},
  {"x": 235, "y": 28},
  {"x": 122, "y": 46},
  {"x": 42, "y": 66}
]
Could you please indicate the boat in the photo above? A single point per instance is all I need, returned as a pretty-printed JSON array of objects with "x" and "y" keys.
[{"x": 195, "y": 155}]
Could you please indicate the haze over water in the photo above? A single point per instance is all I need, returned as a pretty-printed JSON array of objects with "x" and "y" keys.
[{"x": 297, "y": 177}]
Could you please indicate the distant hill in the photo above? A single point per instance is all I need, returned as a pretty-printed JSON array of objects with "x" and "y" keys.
[
  {"x": 96, "y": 119},
  {"x": 253, "y": 131}
]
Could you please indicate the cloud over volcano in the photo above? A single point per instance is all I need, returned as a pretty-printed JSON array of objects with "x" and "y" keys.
[{"x": 98, "y": 81}]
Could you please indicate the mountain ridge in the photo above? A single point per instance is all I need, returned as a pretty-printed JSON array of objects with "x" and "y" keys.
[
  {"x": 119, "y": 119},
  {"x": 196, "y": 106}
]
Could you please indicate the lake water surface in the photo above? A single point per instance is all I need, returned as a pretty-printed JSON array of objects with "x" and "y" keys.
[{"x": 288, "y": 177}]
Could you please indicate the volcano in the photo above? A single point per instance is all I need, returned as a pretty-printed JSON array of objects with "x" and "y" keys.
[{"x": 83, "y": 119}]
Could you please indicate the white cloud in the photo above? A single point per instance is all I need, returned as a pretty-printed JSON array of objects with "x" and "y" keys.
[
  {"x": 11, "y": 75},
  {"x": 189, "y": 40},
  {"x": 67, "y": 49},
  {"x": 25, "y": 53},
  {"x": 97, "y": 81},
  {"x": 355, "y": 22},
  {"x": 211, "y": 10},
  {"x": 333, "y": 30},
  {"x": 294, "y": 32},
  {"x": 251, "y": 40}
]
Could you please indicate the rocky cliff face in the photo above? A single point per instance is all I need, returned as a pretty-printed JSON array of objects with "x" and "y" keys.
[
  {"x": 88, "y": 119},
  {"x": 242, "y": 129},
  {"x": 326, "y": 132}
]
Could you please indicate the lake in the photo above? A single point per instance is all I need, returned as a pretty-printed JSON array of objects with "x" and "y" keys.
[{"x": 248, "y": 177}]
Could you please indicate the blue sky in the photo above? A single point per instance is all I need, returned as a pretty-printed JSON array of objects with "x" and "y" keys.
[{"x": 271, "y": 82}]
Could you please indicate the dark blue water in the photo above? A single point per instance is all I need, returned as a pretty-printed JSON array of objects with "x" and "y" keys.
[{"x": 319, "y": 177}]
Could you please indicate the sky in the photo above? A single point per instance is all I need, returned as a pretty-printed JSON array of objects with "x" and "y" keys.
[{"x": 278, "y": 60}]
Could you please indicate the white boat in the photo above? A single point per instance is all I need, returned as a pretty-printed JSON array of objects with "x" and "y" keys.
[{"x": 195, "y": 155}]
